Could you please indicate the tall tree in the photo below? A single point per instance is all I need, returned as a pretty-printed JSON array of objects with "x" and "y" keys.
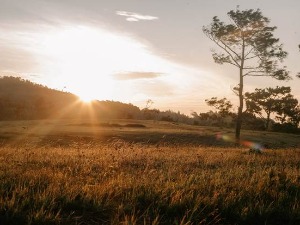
[
  {"x": 264, "y": 102},
  {"x": 247, "y": 43}
]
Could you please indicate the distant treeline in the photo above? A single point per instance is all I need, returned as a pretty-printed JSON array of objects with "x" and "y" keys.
[{"x": 24, "y": 100}]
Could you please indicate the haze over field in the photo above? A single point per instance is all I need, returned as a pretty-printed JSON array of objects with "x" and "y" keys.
[{"x": 131, "y": 51}]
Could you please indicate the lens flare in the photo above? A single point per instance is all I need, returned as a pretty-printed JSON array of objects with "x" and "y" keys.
[
  {"x": 224, "y": 137},
  {"x": 250, "y": 144}
]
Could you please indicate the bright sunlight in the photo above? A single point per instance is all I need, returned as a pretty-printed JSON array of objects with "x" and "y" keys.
[
  {"x": 93, "y": 64},
  {"x": 86, "y": 60}
]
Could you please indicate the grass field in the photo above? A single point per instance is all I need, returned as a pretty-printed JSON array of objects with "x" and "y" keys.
[{"x": 137, "y": 172}]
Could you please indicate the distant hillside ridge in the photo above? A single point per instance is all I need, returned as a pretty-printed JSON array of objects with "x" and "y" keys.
[{"x": 22, "y": 99}]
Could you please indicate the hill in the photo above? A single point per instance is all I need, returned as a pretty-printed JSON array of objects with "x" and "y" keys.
[
  {"x": 21, "y": 100},
  {"x": 24, "y": 100}
]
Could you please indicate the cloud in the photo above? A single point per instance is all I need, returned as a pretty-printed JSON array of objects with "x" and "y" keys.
[
  {"x": 135, "y": 17},
  {"x": 136, "y": 75}
]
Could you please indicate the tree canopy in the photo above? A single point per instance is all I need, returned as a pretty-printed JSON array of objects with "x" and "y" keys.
[
  {"x": 222, "y": 105},
  {"x": 279, "y": 100}
]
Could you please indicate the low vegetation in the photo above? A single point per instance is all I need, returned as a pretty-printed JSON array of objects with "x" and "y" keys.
[{"x": 126, "y": 181}]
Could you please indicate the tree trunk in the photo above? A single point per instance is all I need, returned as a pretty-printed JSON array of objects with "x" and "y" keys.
[
  {"x": 241, "y": 99},
  {"x": 240, "y": 109},
  {"x": 268, "y": 120}
]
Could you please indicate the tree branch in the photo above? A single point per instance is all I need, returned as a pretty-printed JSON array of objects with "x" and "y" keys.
[
  {"x": 252, "y": 57},
  {"x": 230, "y": 49},
  {"x": 257, "y": 75},
  {"x": 253, "y": 71},
  {"x": 251, "y": 68},
  {"x": 224, "y": 48},
  {"x": 249, "y": 53}
]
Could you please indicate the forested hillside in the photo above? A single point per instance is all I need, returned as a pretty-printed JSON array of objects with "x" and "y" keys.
[
  {"x": 21, "y": 100},
  {"x": 24, "y": 100}
]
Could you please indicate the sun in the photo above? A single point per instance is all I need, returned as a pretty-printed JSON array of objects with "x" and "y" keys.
[
  {"x": 86, "y": 61},
  {"x": 86, "y": 98}
]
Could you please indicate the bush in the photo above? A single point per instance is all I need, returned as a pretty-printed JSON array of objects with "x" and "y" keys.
[{"x": 285, "y": 127}]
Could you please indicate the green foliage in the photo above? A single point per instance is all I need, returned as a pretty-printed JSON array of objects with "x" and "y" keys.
[
  {"x": 277, "y": 100},
  {"x": 248, "y": 37},
  {"x": 222, "y": 105},
  {"x": 286, "y": 128},
  {"x": 251, "y": 122}
]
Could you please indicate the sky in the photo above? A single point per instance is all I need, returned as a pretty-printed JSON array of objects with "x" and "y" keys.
[{"x": 135, "y": 50}]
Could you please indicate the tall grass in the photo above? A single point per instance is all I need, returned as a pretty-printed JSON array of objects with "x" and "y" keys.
[{"x": 121, "y": 183}]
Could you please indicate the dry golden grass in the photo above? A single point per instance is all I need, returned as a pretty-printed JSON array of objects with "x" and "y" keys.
[{"x": 123, "y": 183}]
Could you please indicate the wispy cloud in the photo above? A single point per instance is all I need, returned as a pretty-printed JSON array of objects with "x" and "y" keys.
[
  {"x": 135, "y": 17},
  {"x": 136, "y": 75}
]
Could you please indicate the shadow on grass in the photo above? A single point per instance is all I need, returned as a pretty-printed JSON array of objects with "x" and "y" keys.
[{"x": 148, "y": 139}]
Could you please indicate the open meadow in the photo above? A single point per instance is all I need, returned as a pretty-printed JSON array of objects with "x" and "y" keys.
[
  {"x": 149, "y": 112},
  {"x": 145, "y": 172}
]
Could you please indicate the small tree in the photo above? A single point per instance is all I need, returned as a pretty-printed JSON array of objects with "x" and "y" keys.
[
  {"x": 264, "y": 102},
  {"x": 223, "y": 116},
  {"x": 149, "y": 103},
  {"x": 248, "y": 44},
  {"x": 222, "y": 105}
]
